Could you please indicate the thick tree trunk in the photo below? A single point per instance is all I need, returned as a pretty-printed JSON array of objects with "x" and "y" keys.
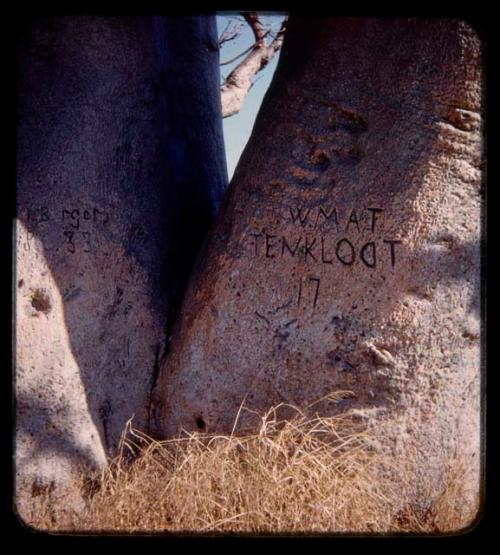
[
  {"x": 347, "y": 256},
  {"x": 120, "y": 171}
]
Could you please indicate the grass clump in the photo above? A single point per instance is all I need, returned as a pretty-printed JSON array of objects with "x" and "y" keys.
[{"x": 305, "y": 474}]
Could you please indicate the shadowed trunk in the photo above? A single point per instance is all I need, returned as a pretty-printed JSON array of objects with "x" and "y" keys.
[{"x": 120, "y": 172}]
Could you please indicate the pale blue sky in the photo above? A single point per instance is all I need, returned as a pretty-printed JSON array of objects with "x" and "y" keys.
[{"x": 237, "y": 128}]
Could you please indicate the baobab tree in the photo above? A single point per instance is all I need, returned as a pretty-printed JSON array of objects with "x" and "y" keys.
[
  {"x": 345, "y": 255},
  {"x": 120, "y": 172}
]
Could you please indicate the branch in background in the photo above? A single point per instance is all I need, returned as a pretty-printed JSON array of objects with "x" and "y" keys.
[
  {"x": 237, "y": 84},
  {"x": 227, "y": 62},
  {"x": 232, "y": 31},
  {"x": 256, "y": 25}
]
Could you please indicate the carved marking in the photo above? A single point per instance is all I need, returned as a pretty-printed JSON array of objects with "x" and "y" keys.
[
  {"x": 347, "y": 261},
  {"x": 299, "y": 216},
  {"x": 307, "y": 249},
  {"x": 69, "y": 244},
  {"x": 315, "y": 295},
  {"x": 323, "y": 259},
  {"x": 269, "y": 245},
  {"x": 322, "y": 248},
  {"x": 284, "y": 244},
  {"x": 353, "y": 219},
  {"x": 374, "y": 213},
  {"x": 362, "y": 254},
  {"x": 37, "y": 215},
  {"x": 317, "y": 280},
  {"x": 393, "y": 254},
  {"x": 263, "y": 318},
  {"x": 73, "y": 220},
  {"x": 327, "y": 216},
  {"x": 86, "y": 237}
]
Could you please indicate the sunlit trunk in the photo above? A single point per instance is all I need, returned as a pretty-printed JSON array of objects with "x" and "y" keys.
[{"x": 347, "y": 256}]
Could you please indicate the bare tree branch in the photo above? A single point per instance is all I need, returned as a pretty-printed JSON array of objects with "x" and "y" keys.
[
  {"x": 240, "y": 55},
  {"x": 229, "y": 33},
  {"x": 237, "y": 84},
  {"x": 225, "y": 30},
  {"x": 253, "y": 20}
]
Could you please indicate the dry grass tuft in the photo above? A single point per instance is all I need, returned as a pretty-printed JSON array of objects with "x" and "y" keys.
[{"x": 303, "y": 475}]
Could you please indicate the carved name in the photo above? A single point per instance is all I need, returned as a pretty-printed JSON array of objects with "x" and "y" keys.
[
  {"x": 344, "y": 248},
  {"x": 76, "y": 233}
]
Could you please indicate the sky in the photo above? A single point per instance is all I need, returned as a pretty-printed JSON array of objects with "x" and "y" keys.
[{"x": 237, "y": 128}]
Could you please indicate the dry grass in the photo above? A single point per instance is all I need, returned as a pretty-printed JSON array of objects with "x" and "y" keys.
[{"x": 303, "y": 475}]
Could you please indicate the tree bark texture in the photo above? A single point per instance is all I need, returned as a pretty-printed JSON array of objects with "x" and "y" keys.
[
  {"x": 120, "y": 171},
  {"x": 347, "y": 254}
]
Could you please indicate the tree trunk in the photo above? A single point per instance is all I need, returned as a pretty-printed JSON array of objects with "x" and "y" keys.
[
  {"x": 120, "y": 171},
  {"x": 347, "y": 256}
]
